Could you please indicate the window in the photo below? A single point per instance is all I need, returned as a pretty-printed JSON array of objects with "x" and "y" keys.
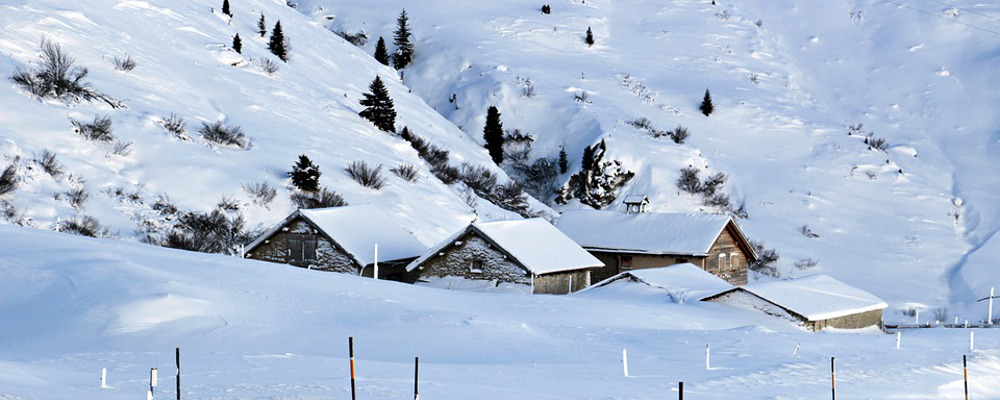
[
  {"x": 302, "y": 250},
  {"x": 625, "y": 263},
  {"x": 682, "y": 260},
  {"x": 734, "y": 261},
  {"x": 722, "y": 262},
  {"x": 476, "y": 266}
]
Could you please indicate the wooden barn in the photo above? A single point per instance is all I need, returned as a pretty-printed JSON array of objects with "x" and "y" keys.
[
  {"x": 530, "y": 252},
  {"x": 817, "y": 302},
  {"x": 339, "y": 239},
  {"x": 631, "y": 241}
]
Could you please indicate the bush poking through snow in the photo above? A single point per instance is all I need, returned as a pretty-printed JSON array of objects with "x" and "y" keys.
[
  {"x": 305, "y": 175},
  {"x": 359, "y": 39},
  {"x": 8, "y": 180},
  {"x": 766, "y": 259},
  {"x": 47, "y": 161},
  {"x": 126, "y": 64},
  {"x": 175, "y": 125},
  {"x": 267, "y": 65},
  {"x": 582, "y": 97},
  {"x": 99, "y": 130},
  {"x": 76, "y": 197},
  {"x": 122, "y": 149},
  {"x": 433, "y": 155},
  {"x": 679, "y": 134},
  {"x": 805, "y": 231},
  {"x": 598, "y": 181},
  {"x": 261, "y": 193},
  {"x": 876, "y": 143},
  {"x": 57, "y": 78},
  {"x": 367, "y": 176},
  {"x": 322, "y": 199},
  {"x": 406, "y": 172},
  {"x": 85, "y": 226},
  {"x": 689, "y": 180},
  {"x": 806, "y": 263},
  {"x": 218, "y": 133},
  {"x": 212, "y": 232},
  {"x": 641, "y": 123}
]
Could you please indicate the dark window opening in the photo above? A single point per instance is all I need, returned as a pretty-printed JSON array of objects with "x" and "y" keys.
[{"x": 302, "y": 250}]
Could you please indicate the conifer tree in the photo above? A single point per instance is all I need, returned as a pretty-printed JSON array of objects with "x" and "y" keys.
[
  {"x": 305, "y": 175},
  {"x": 381, "y": 54},
  {"x": 225, "y": 8},
  {"x": 238, "y": 44},
  {"x": 261, "y": 26},
  {"x": 706, "y": 104},
  {"x": 378, "y": 106},
  {"x": 401, "y": 38},
  {"x": 563, "y": 161},
  {"x": 493, "y": 134},
  {"x": 588, "y": 159},
  {"x": 277, "y": 42},
  {"x": 590, "y": 37}
]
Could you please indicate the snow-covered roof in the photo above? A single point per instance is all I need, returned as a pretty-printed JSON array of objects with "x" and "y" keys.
[
  {"x": 636, "y": 199},
  {"x": 680, "y": 281},
  {"x": 817, "y": 297},
  {"x": 533, "y": 243},
  {"x": 652, "y": 233},
  {"x": 357, "y": 229}
]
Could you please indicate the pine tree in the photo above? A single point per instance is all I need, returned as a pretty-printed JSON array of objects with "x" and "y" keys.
[
  {"x": 493, "y": 134},
  {"x": 225, "y": 8},
  {"x": 588, "y": 159},
  {"x": 706, "y": 104},
  {"x": 378, "y": 106},
  {"x": 381, "y": 54},
  {"x": 401, "y": 38},
  {"x": 277, "y": 42},
  {"x": 305, "y": 175},
  {"x": 590, "y": 37},
  {"x": 237, "y": 44},
  {"x": 261, "y": 26},
  {"x": 563, "y": 161}
]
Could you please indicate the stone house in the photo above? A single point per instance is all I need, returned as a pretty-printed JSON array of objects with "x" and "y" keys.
[
  {"x": 816, "y": 302},
  {"x": 630, "y": 241},
  {"x": 530, "y": 252},
  {"x": 339, "y": 239}
]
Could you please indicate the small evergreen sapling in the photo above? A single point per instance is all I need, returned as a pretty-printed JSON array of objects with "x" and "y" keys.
[
  {"x": 305, "y": 175},
  {"x": 238, "y": 44},
  {"x": 563, "y": 161},
  {"x": 261, "y": 26},
  {"x": 706, "y": 104},
  {"x": 546, "y": 9},
  {"x": 225, "y": 8},
  {"x": 277, "y": 43},
  {"x": 401, "y": 38},
  {"x": 590, "y": 37},
  {"x": 378, "y": 107},
  {"x": 381, "y": 54},
  {"x": 493, "y": 134}
]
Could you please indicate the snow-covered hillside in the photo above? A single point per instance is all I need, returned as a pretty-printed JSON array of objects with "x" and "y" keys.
[
  {"x": 185, "y": 67},
  {"x": 255, "y": 330},
  {"x": 788, "y": 79}
]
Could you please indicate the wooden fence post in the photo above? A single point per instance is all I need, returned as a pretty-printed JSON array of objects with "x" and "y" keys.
[
  {"x": 350, "y": 345},
  {"x": 416, "y": 378},
  {"x": 680, "y": 390},
  {"x": 965, "y": 374},
  {"x": 178, "y": 358},
  {"x": 625, "y": 361},
  {"x": 833, "y": 376}
]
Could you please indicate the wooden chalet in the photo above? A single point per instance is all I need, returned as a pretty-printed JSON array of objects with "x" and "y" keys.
[
  {"x": 530, "y": 252},
  {"x": 629, "y": 241},
  {"x": 339, "y": 239},
  {"x": 817, "y": 302}
]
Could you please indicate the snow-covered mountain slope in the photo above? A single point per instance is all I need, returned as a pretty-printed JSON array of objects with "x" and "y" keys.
[
  {"x": 788, "y": 79},
  {"x": 185, "y": 67},
  {"x": 255, "y": 330}
]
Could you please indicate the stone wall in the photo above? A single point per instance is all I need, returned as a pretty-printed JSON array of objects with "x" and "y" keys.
[
  {"x": 561, "y": 282},
  {"x": 328, "y": 257},
  {"x": 853, "y": 321},
  {"x": 458, "y": 260}
]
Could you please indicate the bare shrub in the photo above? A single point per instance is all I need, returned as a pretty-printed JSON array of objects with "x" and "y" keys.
[
  {"x": 714, "y": 183},
  {"x": 805, "y": 231},
  {"x": 218, "y": 133},
  {"x": 99, "y": 130},
  {"x": 125, "y": 64},
  {"x": 367, "y": 176},
  {"x": 446, "y": 173},
  {"x": 679, "y": 134},
  {"x": 641, "y": 123},
  {"x": 406, "y": 172},
  {"x": 47, "y": 161},
  {"x": 268, "y": 66},
  {"x": 85, "y": 226},
  {"x": 57, "y": 78},
  {"x": 940, "y": 314},
  {"x": 212, "y": 232},
  {"x": 766, "y": 259},
  {"x": 876, "y": 143},
  {"x": 806, "y": 263},
  {"x": 689, "y": 181},
  {"x": 122, "y": 149},
  {"x": 261, "y": 193},
  {"x": 228, "y": 203},
  {"x": 175, "y": 125},
  {"x": 322, "y": 199},
  {"x": 582, "y": 97},
  {"x": 8, "y": 180},
  {"x": 717, "y": 200},
  {"x": 509, "y": 196},
  {"x": 478, "y": 178},
  {"x": 76, "y": 197},
  {"x": 358, "y": 39}
]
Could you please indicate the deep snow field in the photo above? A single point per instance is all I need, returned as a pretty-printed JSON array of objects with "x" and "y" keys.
[{"x": 254, "y": 330}]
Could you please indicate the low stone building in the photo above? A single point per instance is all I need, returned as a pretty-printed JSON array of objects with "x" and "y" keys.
[
  {"x": 530, "y": 252},
  {"x": 339, "y": 239},
  {"x": 625, "y": 242},
  {"x": 680, "y": 283},
  {"x": 816, "y": 302}
]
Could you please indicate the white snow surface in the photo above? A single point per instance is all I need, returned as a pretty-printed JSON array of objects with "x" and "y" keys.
[
  {"x": 817, "y": 297},
  {"x": 359, "y": 228},
  {"x": 682, "y": 282},
  {"x": 534, "y": 243},
  {"x": 649, "y": 232}
]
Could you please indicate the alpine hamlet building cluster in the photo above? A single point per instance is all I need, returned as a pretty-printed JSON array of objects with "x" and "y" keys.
[{"x": 585, "y": 248}]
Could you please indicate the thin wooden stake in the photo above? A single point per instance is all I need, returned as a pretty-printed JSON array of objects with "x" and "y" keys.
[
  {"x": 350, "y": 344},
  {"x": 178, "y": 358},
  {"x": 833, "y": 376},
  {"x": 965, "y": 373},
  {"x": 152, "y": 381},
  {"x": 680, "y": 390},
  {"x": 416, "y": 378}
]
